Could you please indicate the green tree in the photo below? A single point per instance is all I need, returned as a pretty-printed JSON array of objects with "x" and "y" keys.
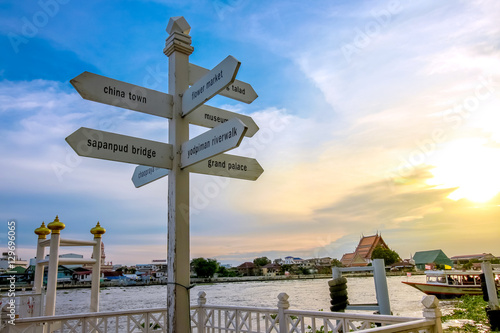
[
  {"x": 390, "y": 257},
  {"x": 205, "y": 268},
  {"x": 304, "y": 270},
  {"x": 262, "y": 261},
  {"x": 286, "y": 268},
  {"x": 336, "y": 263},
  {"x": 224, "y": 272}
]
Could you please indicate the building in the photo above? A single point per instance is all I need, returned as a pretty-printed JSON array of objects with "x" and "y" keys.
[
  {"x": 271, "y": 269},
  {"x": 362, "y": 256},
  {"x": 247, "y": 269},
  {"x": 104, "y": 266},
  {"x": 6, "y": 262},
  {"x": 429, "y": 259},
  {"x": 464, "y": 259}
]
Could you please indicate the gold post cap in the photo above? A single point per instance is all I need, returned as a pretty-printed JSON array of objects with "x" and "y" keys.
[
  {"x": 56, "y": 226},
  {"x": 42, "y": 231},
  {"x": 97, "y": 231}
]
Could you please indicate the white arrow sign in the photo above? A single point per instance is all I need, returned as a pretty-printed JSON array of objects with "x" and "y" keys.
[
  {"x": 121, "y": 148},
  {"x": 226, "y": 165},
  {"x": 218, "y": 140},
  {"x": 208, "y": 116},
  {"x": 210, "y": 84},
  {"x": 145, "y": 174},
  {"x": 238, "y": 90},
  {"x": 102, "y": 89}
]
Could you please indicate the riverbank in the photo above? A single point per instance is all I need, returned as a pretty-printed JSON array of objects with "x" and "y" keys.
[{"x": 105, "y": 284}]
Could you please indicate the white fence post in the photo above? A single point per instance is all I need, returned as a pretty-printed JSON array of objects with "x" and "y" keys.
[
  {"x": 432, "y": 311},
  {"x": 282, "y": 306},
  {"x": 201, "y": 311}
]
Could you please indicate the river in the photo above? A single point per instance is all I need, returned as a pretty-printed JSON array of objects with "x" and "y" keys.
[{"x": 311, "y": 294}]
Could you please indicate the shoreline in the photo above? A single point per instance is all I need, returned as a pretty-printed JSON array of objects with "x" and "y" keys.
[{"x": 109, "y": 284}]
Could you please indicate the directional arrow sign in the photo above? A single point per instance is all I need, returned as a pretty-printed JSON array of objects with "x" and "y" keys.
[
  {"x": 210, "y": 84},
  {"x": 121, "y": 148},
  {"x": 208, "y": 116},
  {"x": 145, "y": 174},
  {"x": 238, "y": 90},
  {"x": 218, "y": 140},
  {"x": 226, "y": 165},
  {"x": 102, "y": 89}
]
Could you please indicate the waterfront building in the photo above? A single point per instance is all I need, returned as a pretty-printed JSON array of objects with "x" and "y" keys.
[
  {"x": 247, "y": 269},
  {"x": 362, "y": 256},
  {"x": 428, "y": 259},
  {"x": 271, "y": 269},
  {"x": 464, "y": 259},
  {"x": 5, "y": 261}
]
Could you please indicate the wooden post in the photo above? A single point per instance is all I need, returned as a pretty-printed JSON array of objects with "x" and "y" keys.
[
  {"x": 432, "y": 311},
  {"x": 202, "y": 300},
  {"x": 381, "y": 288},
  {"x": 177, "y": 49},
  {"x": 50, "y": 302},
  {"x": 282, "y": 306},
  {"x": 490, "y": 285},
  {"x": 97, "y": 231},
  {"x": 42, "y": 233}
]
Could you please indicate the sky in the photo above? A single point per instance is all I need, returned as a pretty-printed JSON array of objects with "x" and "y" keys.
[{"x": 374, "y": 116}]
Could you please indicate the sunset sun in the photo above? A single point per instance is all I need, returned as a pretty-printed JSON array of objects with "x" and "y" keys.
[{"x": 471, "y": 167}]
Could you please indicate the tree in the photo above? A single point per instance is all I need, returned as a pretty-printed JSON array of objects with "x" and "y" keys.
[
  {"x": 286, "y": 268},
  {"x": 390, "y": 257},
  {"x": 336, "y": 263},
  {"x": 224, "y": 272},
  {"x": 204, "y": 267},
  {"x": 262, "y": 261},
  {"x": 304, "y": 270}
]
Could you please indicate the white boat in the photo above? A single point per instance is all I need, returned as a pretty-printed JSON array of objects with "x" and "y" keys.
[{"x": 451, "y": 283}]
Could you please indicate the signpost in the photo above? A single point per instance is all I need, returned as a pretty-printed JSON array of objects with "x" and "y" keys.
[
  {"x": 231, "y": 166},
  {"x": 177, "y": 159},
  {"x": 238, "y": 90},
  {"x": 102, "y": 89},
  {"x": 121, "y": 148},
  {"x": 145, "y": 174},
  {"x": 208, "y": 116},
  {"x": 210, "y": 84},
  {"x": 218, "y": 140}
]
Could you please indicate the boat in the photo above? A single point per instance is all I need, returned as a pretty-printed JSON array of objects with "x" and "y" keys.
[{"x": 451, "y": 283}]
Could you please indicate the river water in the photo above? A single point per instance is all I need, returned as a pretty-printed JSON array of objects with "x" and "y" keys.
[{"x": 310, "y": 294}]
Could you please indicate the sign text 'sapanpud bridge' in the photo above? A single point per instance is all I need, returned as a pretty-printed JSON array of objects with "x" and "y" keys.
[{"x": 189, "y": 87}]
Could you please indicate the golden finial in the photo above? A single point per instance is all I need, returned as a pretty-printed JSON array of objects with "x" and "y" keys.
[
  {"x": 97, "y": 231},
  {"x": 56, "y": 226},
  {"x": 42, "y": 232}
]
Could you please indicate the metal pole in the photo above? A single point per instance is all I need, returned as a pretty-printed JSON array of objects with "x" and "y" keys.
[
  {"x": 381, "y": 287},
  {"x": 50, "y": 303},
  {"x": 177, "y": 49}
]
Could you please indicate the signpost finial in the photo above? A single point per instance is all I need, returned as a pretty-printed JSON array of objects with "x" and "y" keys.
[{"x": 178, "y": 24}]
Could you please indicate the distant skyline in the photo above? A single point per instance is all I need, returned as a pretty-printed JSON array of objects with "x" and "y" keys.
[{"x": 374, "y": 116}]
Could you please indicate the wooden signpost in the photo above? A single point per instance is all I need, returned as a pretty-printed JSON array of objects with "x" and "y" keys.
[
  {"x": 210, "y": 84},
  {"x": 102, "y": 89},
  {"x": 220, "y": 139},
  {"x": 190, "y": 86},
  {"x": 208, "y": 116},
  {"x": 146, "y": 174},
  {"x": 121, "y": 148}
]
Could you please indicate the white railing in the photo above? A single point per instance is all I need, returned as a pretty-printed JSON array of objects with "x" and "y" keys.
[
  {"x": 144, "y": 320},
  {"x": 233, "y": 319},
  {"x": 26, "y": 305}
]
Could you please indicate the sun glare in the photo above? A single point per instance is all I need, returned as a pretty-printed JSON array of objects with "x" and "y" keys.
[{"x": 471, "y": 167}]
